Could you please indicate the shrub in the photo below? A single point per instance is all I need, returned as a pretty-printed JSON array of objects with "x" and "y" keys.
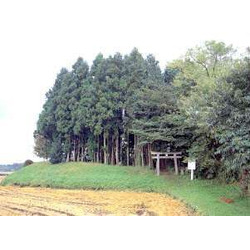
[{"x": 27, "y": 162}]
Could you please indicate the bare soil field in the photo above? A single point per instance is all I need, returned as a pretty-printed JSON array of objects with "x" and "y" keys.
[{"x": 28, "y": 201}]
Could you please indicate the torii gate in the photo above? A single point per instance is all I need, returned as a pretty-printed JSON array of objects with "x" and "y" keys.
[{"x": 167, "y": 155}]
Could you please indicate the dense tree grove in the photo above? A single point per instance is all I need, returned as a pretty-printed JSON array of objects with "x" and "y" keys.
[{"x": 122, "y": 107}]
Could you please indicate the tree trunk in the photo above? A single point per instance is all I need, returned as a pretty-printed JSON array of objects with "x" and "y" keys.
[
  {"x": 93, "y": 156},
  {"x": 83, "y": 152},
  {"x": 123, "y": 139},
  {"x": 127, "y": 150},
  {"x": 108, "y": 149},
  {"x": 135, "y": 150},
  {"x": 67, "y": 158},
  {"x": 138, "y": 154},
  {"x": 97, "y": 153},
  {"x": 245, "y": 181},
  {"x": 142, "y": 156},
  {"x": 74, "y": 157},
  {"x": 79, "y": 150},
  {"x": 105, "y": 148},
  {"x": 117, "y": 160},
  {"x": 112, "y": 151},
  {"x": 121, "y": 148}
]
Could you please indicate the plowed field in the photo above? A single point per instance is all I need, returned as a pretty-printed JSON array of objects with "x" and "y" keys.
[{"x": 53, "y": 202}]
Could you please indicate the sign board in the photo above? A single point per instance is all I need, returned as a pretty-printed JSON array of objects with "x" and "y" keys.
[{"x": 191, "y": 165}]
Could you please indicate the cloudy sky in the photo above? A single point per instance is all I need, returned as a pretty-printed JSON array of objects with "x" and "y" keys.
[{"x": 38, "y": 37}]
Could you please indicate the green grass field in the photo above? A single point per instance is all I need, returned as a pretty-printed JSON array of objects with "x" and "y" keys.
[{"x": 202, "y": 195}]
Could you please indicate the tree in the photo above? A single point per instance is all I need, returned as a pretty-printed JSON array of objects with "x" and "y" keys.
[
  {"x": 232, "y": 123},
  {"x": 135, "y": 74},
  {"x": 47, "y": 123},
  {"x": 42, "y": 146},
  {"x": 195, "y": 88},
  {"x": 212, "y": 57}
]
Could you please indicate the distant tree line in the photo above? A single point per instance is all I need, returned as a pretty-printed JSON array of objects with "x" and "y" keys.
[
  {"x": 123, "y": 107},
  {"x": 10, "y": 167}
]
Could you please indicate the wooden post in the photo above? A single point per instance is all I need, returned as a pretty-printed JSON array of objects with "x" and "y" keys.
[
  {"x": 192, "y": 174},
  {"x": 175, "y": 165},
  {"x": 149, "y": 156},
  {"x": 158, "y": 165}
]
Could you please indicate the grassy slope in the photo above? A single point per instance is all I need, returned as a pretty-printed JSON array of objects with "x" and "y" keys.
[{"x": 202, "y": 195}]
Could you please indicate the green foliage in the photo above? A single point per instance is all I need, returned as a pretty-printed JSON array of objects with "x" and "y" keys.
[
  {"x": 42, "y": 146},
  {"x": 196, "y": 85},
  {"x": 56, "y": 153},
  {"x": 88, "y": 108},
  {"x": 233, "y": 125}
]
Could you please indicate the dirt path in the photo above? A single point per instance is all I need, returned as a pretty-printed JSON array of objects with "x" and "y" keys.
[{"x": 44, "y": 201}]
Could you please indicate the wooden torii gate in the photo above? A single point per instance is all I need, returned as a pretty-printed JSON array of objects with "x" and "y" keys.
[{"x": 167, "y": 155}]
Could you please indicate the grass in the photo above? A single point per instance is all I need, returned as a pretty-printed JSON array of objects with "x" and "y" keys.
[{"x": 202, "y": 195}]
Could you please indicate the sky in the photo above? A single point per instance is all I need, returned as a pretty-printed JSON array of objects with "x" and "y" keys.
[{"x": 39, "y": 37}]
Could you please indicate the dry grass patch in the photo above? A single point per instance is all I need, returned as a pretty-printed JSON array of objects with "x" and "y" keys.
[{"x": 43, "y": 201}]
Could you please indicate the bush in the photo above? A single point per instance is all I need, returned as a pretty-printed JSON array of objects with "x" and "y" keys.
[{"x": 27, "y": 162}]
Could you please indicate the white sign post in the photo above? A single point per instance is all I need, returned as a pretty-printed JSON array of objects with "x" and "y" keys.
[{"x": 191, "y": 166}]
